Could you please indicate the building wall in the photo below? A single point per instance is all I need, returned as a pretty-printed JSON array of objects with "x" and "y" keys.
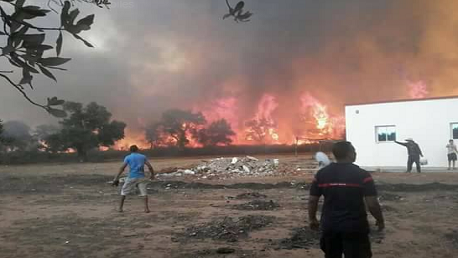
[{"x": 428, "y": 122}]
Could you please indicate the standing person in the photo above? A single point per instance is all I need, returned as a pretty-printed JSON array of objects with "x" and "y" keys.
[
  {"x": 346, "y": 188},
  {"x": 414, "y": 153},
  {"x": 451, "y": 154},
  {"x": 136, "y": 178}
]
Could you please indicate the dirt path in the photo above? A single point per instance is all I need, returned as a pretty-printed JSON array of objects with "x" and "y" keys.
[{"x": 51, "y": 213}]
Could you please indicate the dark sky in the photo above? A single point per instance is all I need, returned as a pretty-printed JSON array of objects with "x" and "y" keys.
[{"x": 152, "y": 55}]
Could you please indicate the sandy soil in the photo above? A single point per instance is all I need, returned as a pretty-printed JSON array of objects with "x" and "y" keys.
[{"x": 69, "y": 211}]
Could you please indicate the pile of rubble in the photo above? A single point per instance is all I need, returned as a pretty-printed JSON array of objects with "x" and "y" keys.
[{"x": 229, "y": 167}]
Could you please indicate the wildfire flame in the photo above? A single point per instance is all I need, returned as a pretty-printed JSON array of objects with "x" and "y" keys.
[{"x": 315, "y": 123}]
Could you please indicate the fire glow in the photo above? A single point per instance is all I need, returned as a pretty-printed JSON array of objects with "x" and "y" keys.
[{"x": 313, "y": 123}]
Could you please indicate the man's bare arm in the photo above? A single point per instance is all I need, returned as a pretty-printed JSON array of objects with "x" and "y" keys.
[
  {"x": 374, "y": 208},
  {"x": 121, "y": 170},
  {"x": 313, "y": 208},
  {"x": 150, "y": 168}
]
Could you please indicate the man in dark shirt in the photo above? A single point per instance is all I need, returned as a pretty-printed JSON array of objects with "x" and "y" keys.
[
  {"x": 414, "y": 152},
  {"x": 346, "y": 188}
]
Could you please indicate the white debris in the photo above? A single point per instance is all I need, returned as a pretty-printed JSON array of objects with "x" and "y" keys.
[
  {"x": 189, "y": 172},
  {"x": 221, "y": 168},
  {"x": 322, "y": 159}
]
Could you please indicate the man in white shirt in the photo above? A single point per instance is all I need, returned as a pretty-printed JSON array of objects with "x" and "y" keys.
[{"x": 451, "y": 154}]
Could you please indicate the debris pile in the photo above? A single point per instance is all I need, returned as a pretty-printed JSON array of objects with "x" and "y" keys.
[
  {"x": 228, "y": 229},
  {"x": 258, "y": 205},
  {"x": 229, "y": 167}
]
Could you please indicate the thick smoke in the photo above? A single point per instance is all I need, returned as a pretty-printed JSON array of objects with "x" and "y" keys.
[{"x": 156, "y": 55}]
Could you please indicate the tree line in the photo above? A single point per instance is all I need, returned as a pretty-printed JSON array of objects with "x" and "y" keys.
[{"x": 90, "y": 127}]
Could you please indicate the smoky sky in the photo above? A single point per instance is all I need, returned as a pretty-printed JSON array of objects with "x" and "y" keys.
[{"x": 152, "y": 55}]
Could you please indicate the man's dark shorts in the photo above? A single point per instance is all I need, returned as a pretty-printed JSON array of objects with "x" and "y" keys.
[
  {"x": 352, "y": 245},
  {"x": 451, "y": 157}
]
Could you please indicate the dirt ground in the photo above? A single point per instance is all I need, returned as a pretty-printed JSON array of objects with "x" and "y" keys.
[{"x": 69, "y": 211}]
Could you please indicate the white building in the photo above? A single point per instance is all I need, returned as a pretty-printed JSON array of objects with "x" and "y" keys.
[{"x": 373, "y": 127}]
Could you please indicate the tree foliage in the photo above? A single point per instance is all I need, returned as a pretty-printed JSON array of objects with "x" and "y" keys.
[
  {"x": 217, "y": 133},
  {"x": 86, "y": 128},
  {"x": 25, "y": 43},
  {"x": 180, "y": 124},
  {"x": 17, "y": 136},
  {"x": 179, "y": 127}
]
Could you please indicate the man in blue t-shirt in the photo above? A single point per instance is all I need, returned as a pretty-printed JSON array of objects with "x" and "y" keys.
[{"x": 136, "y": 178}]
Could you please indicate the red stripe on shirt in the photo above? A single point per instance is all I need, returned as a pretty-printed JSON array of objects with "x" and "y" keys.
[
  {"x": 339, "y": 184},
  {"x": 367, "y": 179}
]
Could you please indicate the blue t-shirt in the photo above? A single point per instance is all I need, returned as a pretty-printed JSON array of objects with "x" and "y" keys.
[{"x": 136, "y": 164}]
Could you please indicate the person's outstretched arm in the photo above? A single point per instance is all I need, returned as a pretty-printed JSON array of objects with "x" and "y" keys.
[
  {"x": 401, "y": 143},
  {"x": 121, "y": 170},
  {"x": 150, "y": 168}
]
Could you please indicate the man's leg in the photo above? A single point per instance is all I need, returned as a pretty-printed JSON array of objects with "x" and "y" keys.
[
  {"x": 417, "y": 163},
  {"x": 356, "y": 245},
  {"x": 454, "y": 164},
  {"x": 125, "y": 190},
  {"x": 144, "y": 193},
  {"x": 331, "y": 244},
  {"x": 121, "y": 203},
  {"x": 409, "y": 164},
  {"x": 450, "y": 163},
  {"x": 146, "y": 204}
]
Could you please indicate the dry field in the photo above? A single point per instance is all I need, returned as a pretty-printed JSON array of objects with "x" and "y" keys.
[{"x": 69, "y": 211}]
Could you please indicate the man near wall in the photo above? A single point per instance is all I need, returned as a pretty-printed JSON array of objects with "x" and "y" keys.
[
  {"x": 346, "y": 189},
  {"x": 414, "y": 153}
]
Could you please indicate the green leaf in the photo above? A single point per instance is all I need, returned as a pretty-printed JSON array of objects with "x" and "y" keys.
[
  {"x": 85, "y": 23},
  {"x": 59, "y": 44},
  {"x": 33, "y": 39},
  {"x": 26, "y": 77},
  {"x": 47, "y": 73},
  {"x": 72, "y": 16},
  {"x": 57, "y": 68},
  {"x": 57, "y": 112},
  {"x": 37, "y": 47},
  {"x": 64, "y": 13},
  {"x": 84, "y": 41},
  {"x": 34, "y": 11},
  {"x": 19, "y": 4},
  {"x": 7, "y": 50},
  {"x": 53, "y": 61}
]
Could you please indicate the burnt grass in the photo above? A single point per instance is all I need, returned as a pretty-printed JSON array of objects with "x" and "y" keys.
[
  {"x": 53, "y": 184},
  {"x": 452, "y": 237},
  {"x": 227, "y": 229},
  {"x": 251, "y": 195},
  {"x": 257, "y": 205},
  {"x": 301, "y": 238}
]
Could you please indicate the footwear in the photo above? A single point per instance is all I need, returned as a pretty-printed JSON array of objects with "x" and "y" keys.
[{"x": 448, "y": 168}]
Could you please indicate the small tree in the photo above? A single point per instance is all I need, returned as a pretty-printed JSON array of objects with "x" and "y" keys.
[
  {"x": 217, "y": 133},
  {"x": 180, "y": 123},
  {"x": 86, "y": 128},
  {"x": 154, "y": 134},
  {"x": 18, "y": 136}
]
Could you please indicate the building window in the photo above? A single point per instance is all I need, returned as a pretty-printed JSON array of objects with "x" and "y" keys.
[
  {"x": 454, "y": 130},
  {"x": 387, "y": 133}
]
